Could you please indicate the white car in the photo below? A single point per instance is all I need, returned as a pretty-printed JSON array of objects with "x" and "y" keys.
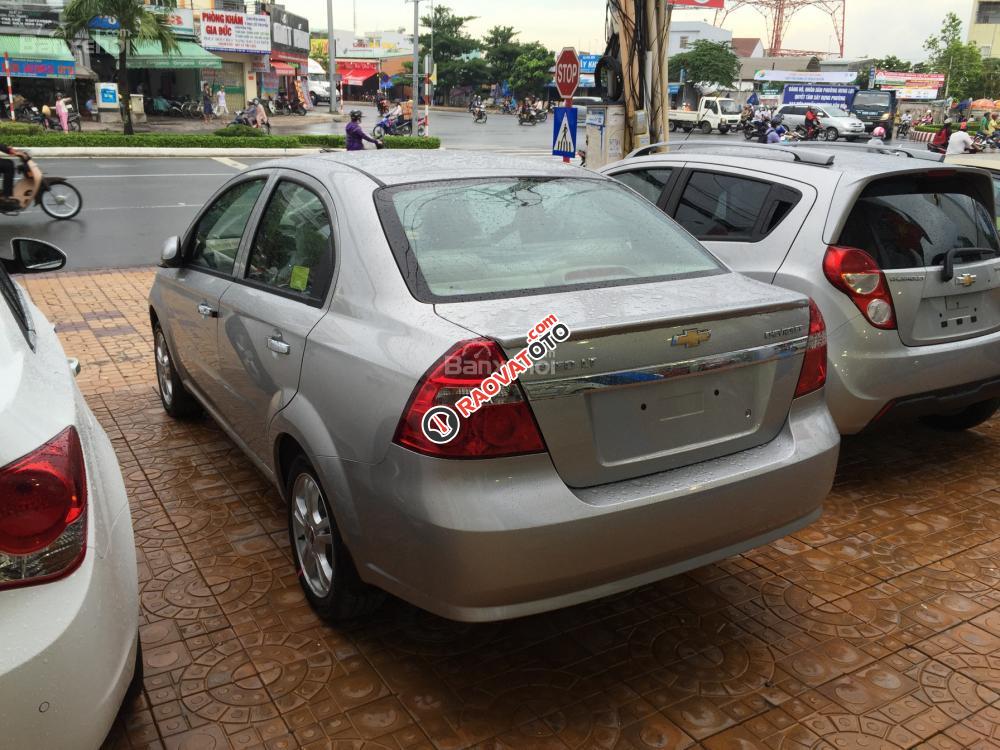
[
  {"x": 69, "y": 602},
  {"x": 319, "y": 91},
  {"x": 836, "y": 122}
]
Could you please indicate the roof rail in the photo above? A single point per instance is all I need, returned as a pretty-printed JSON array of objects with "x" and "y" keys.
[
  {"x": 875, "y": 149},
  {"x": 816, "y": 159}
]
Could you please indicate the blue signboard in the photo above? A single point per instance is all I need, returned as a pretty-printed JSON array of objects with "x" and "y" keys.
[
  {"x": 564, "y": 132},
  {"x": 810, "y": 93},
  {"x": 588, "y": 63},
  {"x": 104, "y": 22},
  {"x": 20, "y": 68}
]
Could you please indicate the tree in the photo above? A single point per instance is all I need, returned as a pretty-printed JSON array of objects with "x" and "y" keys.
[
  {"x": 707, "y": 62},
  {"x": 531, "y": 72},
  {"x": 502, "y": 51},
  {"x": 961, "y": 62},
  {"x": 452, "y": 48},
  {"x": 891, "y": 63},
  {"x": 136, "y": 23}
]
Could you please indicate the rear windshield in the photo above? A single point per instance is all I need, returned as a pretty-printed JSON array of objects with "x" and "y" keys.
[
  {"x": 913, "y": 222},
  {"x": 475, "y": 239}
]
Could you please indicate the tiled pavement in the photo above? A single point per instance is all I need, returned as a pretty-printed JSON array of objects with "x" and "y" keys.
[{"x": 876, "y": 627}]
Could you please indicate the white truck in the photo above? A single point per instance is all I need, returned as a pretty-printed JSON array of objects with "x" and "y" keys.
[{"x": 713, "y": 113}]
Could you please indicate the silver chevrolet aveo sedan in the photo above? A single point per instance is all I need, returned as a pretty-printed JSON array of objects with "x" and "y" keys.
[{"x": 490, "y": 386}]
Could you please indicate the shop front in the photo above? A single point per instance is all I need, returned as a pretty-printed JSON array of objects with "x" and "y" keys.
[
  {"x": 240, "y": 40},
  {"x": 40, "y": 65},
  {"x": 360, "y": 78},
  {"x": 289, "y": 59}
]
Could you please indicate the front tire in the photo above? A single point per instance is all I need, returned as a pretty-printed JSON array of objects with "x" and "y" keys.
[
  {"x": 672, "y": 126},
  {"x": 60, "y": 200},
  {"x": 176, "y": 399},
  {"x": 324, "y": 566},
  {"x": 832, "y": 134},
  {"x": 378, "y": 131},
  {"x": 706, "y": 127},
  {"x": 723, "y": 129},
  {"x": 969, "y": 417}
]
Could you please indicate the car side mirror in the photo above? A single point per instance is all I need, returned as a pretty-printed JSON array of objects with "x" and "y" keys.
[
  {"x": 170, "y": 255},
  {"x": 34, "y": 256}
]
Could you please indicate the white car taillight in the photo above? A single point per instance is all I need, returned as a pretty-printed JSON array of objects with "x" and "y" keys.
[
  {"x": 812, "y": 376},
  {"x": 43, "y": 513},
  {"x": 856, "y": 274}
]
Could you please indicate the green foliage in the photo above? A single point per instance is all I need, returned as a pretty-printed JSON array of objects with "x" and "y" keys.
[
  {"x": 240, "y": 131},
  {"x": 972, "y": 127},
  {"x": 8, "y": 129},
  {"x": 890, "y": 62},
  {"x": 187, "y": 140},
  {"x": 502, "y": 51},
  {"x": 451, "y": 44},
  {"x": 138, "y": 23},
  {"x": 960, "y": 61},
  {"x": 531, "y": 71},
  {"x": 707, "y": 62}
]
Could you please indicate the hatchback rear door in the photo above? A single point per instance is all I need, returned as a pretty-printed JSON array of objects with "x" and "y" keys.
[{"x": 935, "y": 238}]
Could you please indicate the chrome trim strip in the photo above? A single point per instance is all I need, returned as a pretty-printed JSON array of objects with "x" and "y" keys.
[{"x": 542, "y": 389}]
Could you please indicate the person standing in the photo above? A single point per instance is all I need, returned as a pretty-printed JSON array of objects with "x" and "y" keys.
[
  {"x": 206, "y": 103},
  {"x": 356, "y": 135},
  {"x": 220, "y": 102},
  {"x": 62, "y": 113}
]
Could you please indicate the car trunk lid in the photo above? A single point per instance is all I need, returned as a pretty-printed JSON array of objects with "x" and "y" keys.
[
  {"x": 934, "y": 237},
  {"x": 654, "y": 376}
]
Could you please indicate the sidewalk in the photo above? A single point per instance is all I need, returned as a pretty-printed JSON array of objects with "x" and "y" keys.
[{"x": 280, "y": 125}]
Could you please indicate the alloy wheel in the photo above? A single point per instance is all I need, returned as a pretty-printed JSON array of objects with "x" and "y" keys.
[
  {"x": 163, "y": 375},
  {"x": 313, "y": 535}
]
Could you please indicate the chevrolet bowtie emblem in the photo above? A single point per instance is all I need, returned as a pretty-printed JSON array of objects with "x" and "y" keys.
[
  {"x": 966, "y": 279},
  {"x": 691, "y": 338}
]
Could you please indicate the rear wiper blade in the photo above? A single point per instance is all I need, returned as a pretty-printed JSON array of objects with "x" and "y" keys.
[{"x": 948, "y": 259}]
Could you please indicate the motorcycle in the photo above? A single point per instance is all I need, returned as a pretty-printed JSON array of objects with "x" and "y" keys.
[
  {"x": 479, "y": 116},
  {"x": 755, "y": 130},
  {"x": 531, "y": 117},
  {"x": 242, "y": 118},
  {"x": 73, "y": 120},
  {"x": 386, "y": 126},
  {"x": 282, "y": 106},
  {"x": 903, "y": 130},
  {"x": 809, "y": 134},
  {"x": 55, "y": 195}
]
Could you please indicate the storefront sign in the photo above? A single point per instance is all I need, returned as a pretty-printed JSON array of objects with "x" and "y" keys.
[
  {"x": 268, "y": 84},
  {"x": 289, "y": 37},
  {"x": 41, "y": 68},
  {"x": 887, "y": 78},
  {"x": 235, "y": 32},
  {"x": 33, "y": 17},
  {"x": 107, "y": 95},
  {"x": 906, "y": 92},
  {"x": 805, "y": 76},
  {"x": 181, "y": 21},
  {"x": 261, "y": 63},
  {"x": 106, "y": 23}
]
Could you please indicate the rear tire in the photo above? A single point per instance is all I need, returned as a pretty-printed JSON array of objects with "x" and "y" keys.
[
  {"x": 723, "y": 129},
  {"x": 672, "y": 126},
  {"x": 969, "y": 417},
  {"x": 378, "y": 131},
  {"x": 176, "y": 399},
  {"x": 323, "y": 564}
]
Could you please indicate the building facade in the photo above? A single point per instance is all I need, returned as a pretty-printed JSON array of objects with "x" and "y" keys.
[
  {"x": 683, "y": 35},
  {"x": 984, "y": 27}
]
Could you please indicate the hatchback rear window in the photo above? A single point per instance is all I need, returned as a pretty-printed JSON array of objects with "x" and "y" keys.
[
  {"x": 913, "y": 222},
  {"x": 475, "y": 239}
]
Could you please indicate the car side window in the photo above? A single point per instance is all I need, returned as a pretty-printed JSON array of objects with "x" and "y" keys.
[
  {"x": 648, "y": 183},
  {"x": 721, "y": 206},
  {"x": 711, "y": 107},
  {"x": 293, "y": 249},
  {"x": 217, "y": 235}
]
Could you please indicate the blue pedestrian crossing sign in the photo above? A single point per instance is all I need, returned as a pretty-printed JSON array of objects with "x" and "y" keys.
[{"x": 564, "y": 132}]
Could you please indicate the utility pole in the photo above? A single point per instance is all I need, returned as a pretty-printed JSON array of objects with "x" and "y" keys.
[
  {"x": 415, "y": 116},
  {"x": 331, "y": 51},
  {"x": 624, "y": 20}
]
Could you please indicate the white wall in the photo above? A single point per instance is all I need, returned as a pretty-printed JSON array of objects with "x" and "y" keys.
[{"x": 691, "y": 31}]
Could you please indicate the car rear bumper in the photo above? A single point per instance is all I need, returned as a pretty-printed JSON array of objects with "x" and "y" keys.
[
  {"x": 72, "y": 643},
  {"x": 491, "y": 540},
  {"x": 872, "y": 372}
]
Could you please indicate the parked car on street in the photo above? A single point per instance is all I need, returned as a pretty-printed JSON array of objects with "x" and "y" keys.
[
  {"x": 836, "y": 122},
  {"x": 333, "y": 313},
  {"x": 901, "y": 254},
  {"x": 69, "y": 603}
]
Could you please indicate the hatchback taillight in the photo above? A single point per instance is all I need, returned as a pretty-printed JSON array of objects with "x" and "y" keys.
[
  {"x": 856, "y": 274},
  {"x": 812, "y": 376},
  {"x": 503, "y": 427},
  {"x": 43, "y": 512}
]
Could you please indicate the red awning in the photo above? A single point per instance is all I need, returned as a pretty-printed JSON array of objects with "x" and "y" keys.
[
  {"x": 357, "y": 74},
  {"x": 283, "y": 69}
]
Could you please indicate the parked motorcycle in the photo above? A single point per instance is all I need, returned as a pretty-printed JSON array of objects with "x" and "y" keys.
[
  {"x": 55, "y": 195},
  {"x": 282, "y": 106}
]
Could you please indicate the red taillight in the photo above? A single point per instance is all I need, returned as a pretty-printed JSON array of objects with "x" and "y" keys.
[
  {"x": 812, "y": 376},
  {"x": 503, "y": 427},
  {"x": 43, "y": 519},
  {"x": 856, "y": 274}
]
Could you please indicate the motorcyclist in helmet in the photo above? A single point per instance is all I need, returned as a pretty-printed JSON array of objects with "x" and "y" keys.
[
  {"x": 7, "y": 169},
  {"x": 356, "y": 136},
  {"x": 877, "y": 135},
  {"x": 812, "y": 123}
]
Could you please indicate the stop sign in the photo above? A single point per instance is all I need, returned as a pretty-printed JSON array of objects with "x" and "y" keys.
[{"x": 567, "y": 72}]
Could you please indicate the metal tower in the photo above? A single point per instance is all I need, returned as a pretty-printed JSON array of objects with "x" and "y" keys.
[{"x": 778, "y": 15}]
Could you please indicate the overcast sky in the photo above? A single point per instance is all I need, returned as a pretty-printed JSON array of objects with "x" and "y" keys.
[{"x": 874, "y": 27}]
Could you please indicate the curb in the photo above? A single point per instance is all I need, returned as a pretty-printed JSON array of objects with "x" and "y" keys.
[{"x": 115, "y": 151}]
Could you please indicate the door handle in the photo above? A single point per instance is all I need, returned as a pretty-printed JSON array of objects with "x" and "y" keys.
[
  {"x": 278, "y": 346},
  {"x": 206, "y": 311}
]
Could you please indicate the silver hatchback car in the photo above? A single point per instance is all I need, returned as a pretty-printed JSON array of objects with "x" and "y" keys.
[
  {"x": 901, "y": 254},
  {"x": 476, "y": 401}
]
